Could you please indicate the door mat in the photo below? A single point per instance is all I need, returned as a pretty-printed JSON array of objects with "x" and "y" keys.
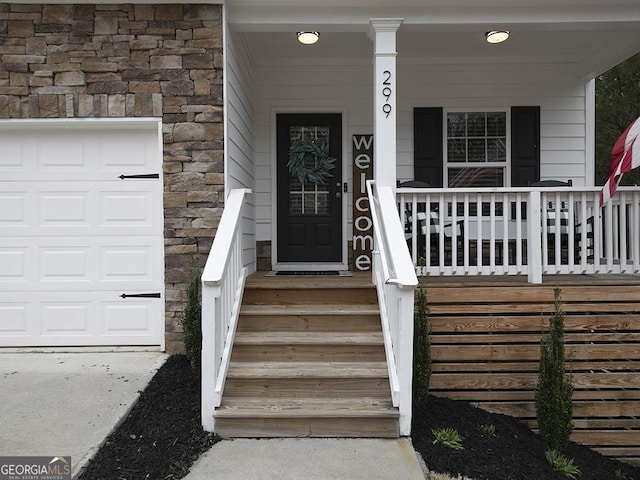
[{"x": 281, "y": 273}]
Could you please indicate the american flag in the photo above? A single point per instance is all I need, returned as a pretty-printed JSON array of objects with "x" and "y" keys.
[{"x": 625, "y": 156}]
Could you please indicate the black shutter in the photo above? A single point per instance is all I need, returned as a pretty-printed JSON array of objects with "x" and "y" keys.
[
  {"x": 427, "y": 145},
  {"x": 525, "y": 146}
]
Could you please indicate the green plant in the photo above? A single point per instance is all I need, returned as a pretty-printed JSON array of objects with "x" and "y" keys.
[
  {"x": 554, "y": 388},
  {"x": 621, "y": 474},
  {"x": 488, "y": 429},
  {"x": 421, "y": 348},
  {"x": 562, "y": 464},
  {"x": 448, "y": 437},
  {"x": 191, "y": 318}
]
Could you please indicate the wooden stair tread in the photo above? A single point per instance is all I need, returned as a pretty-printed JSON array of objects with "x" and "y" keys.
[
  {"x": 259, "y": 280},
  {"x": 308, "y": 338},
  {"x": 310, "y": 309},
  {"x": 307, "y": 370},
  {"x": 308, "y": 408}
]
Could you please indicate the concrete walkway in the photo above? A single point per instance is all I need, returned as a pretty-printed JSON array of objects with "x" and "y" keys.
[
  {"x": 61, "y": 404},
  {"x": 66, "y": 404},
  {"x": 309, "y": 459}
]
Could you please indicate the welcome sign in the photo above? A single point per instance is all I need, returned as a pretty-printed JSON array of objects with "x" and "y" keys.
[{"x": 362, "y": 224}]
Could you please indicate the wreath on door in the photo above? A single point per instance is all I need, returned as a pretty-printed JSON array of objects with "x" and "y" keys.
[{"x": 310, "y": 162}]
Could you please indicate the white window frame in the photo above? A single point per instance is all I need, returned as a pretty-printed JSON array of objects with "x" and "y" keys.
[{"x": 445, "y": 153}]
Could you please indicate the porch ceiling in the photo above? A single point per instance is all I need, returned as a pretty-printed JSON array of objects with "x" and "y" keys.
[{"x": 586, "y": 37}]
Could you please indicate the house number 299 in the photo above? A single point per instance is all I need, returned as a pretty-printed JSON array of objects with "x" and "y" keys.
[{"x": 386, "y": 92}]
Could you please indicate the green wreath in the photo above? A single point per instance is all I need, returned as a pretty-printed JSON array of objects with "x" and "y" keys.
[{"x": 323, "y": 163}]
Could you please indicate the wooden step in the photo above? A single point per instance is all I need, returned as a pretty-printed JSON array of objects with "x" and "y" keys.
[
  {"x": 261, "y": 290},
  {"x": 308, "y": 338},
  {"x": 308, "y": 322},
  {"x": 293, "y": 296},
  {"x": 308, "y": 417},
  {"x": 323, "y": 427},
  {"x": 307, "y": 407},
  {"x": 307, "y": 370},
  {"x": 300, "y": 387},
  {"x": 312, "y": 309},
  {"x": 308, "y": 353},
  {"x": 307, "y": 380},
  {"x": 308, "y": 347},
  {"x": 309, "y": 318}
]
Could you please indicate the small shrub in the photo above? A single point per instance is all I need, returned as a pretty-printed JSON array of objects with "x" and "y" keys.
[
  {"x": 488, "y": 429},
  {"x": 621, "y": 474},
  {"x": 191, "y": 321},
  {"x": 554, "y": 388},
  {"x": 562, "y": 464},
  {"x": 448, "y": 437},
  {"x": 421, "y": 348}
]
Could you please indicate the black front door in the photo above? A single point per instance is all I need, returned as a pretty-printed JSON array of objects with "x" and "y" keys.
[{"x": 309, "y": 197}]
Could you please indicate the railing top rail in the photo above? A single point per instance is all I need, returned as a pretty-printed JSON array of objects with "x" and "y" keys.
[
  {"x": 223, "y": 241},
  {"x": 490, "y": 190},
  {"x": 402, "y": 267}
]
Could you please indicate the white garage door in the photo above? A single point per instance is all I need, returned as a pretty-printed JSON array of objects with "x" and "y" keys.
[{"x": 81, "y": 240}]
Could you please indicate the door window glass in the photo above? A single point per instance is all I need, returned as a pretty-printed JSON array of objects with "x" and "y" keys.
[{"x": 310, "y": 167}]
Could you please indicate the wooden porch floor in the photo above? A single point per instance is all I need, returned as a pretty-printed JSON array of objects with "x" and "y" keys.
[{"x": 261, "y": 278}]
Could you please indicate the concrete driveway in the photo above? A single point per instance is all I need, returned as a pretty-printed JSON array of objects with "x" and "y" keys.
[{"x": 66, "y": 404}]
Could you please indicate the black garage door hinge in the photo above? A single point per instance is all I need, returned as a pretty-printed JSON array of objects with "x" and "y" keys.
[
  {"x": 144, "y": 175},
  {"x": 140, "y": 295}
]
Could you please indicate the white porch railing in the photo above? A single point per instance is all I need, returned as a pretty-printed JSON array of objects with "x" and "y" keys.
[
  {"x": 521, "y": 231},
  {"x": 395, "y": 280},
  {"x": 223, "y": 281}
]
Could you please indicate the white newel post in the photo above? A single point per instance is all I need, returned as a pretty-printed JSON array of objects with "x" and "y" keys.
[
  {"x": 383, "y": 33},
  {"x": 208, "y": 364}
]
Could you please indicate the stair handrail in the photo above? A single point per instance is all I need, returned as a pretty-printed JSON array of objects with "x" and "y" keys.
[
  {"x": 223, "y": 280},
  {"x": 395, "y": 280}
]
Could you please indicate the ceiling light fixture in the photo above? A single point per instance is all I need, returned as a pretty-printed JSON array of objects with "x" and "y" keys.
[
  {"x": 496, "y": 36},
  {"x": 308, "y": 38}
]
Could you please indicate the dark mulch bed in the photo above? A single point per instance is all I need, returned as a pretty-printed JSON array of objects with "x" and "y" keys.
[
  {"x": 162, "y": 437},
  {"x": 515, "y": 453}
]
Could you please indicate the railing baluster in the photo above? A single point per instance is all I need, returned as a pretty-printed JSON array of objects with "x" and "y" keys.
[
  {"x": 622, "y": 235},
  {"x": 467, "y": 243},
  {"x": 519, "y": 260},
  {"x": 492, "y": 233},
  {"x": 479, "y": 240},
  {"x": 583, "y": 231},
  {"x": 454, "y": 232},
  {"x": 635, "y": 232},
  {"x": 441, "y": 216},
  {"x": 506, "y": 202},
  {"x": 571, "y": 233},
  {"x": 608, "y": 227}
]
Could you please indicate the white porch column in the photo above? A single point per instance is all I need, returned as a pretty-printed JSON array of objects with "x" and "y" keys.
[{"x": 383, "y": 34}]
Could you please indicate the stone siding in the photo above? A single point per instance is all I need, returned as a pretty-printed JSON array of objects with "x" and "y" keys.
[{"x": 165, "y": 60}]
